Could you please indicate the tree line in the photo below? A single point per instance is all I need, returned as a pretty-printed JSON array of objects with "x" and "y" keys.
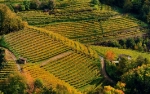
[
  {"x": 139, "y": 7},
  {"x": 9, "y": 21},
  {"x": 135, "y": 74},
  {"x": 32, "y": 4},
  {"x": 139, "y": 44}
]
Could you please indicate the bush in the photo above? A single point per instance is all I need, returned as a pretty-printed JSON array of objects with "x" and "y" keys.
[
  {"x": 95, "y": 2},
  {"x": 1, "y": 92},
  {"x": 9, "y": 21},
  {"x": 15, "y": 84},
  {"x": 22, "y": 7},
  {"x": 35, "y": 4}
]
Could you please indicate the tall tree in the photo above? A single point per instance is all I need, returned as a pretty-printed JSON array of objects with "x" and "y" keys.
[
  {"x": 137, "y": 80},
  {"x": 2, "y": 58},
  {"x": 127, "y": 5}
]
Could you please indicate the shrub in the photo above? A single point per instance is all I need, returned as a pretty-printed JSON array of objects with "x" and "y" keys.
[
  {"x": 95, "y": 2},
  {"x": 15, "y": 84},
  {"x": 9, "y": 21}
]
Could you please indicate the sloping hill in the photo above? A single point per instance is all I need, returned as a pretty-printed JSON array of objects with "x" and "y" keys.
[
  {"x": 79, "y": 68},
  {"x": 82, "y": 21},
  {"x": 37, "y": 44},
  {"x": 93, "y": 31},
  {"x": 66, "y": 11},
  {"x": 49, "y": 79},
  {"x": 9, "y": 68}
]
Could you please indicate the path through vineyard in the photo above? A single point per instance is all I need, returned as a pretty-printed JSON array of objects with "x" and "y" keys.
[
  {"x": 30, "y": 81},
  {"x": 11, "y": 57},
  {"x": 104, "y": 70},
  {"x": 56, "y": 58}
]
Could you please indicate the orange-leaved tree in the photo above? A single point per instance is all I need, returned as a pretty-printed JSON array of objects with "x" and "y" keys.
[{"x": 110, "y": 55}]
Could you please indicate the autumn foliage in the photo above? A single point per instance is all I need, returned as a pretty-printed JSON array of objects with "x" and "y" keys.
[
  {"x": 111, "y": 90},
  {"x": 110, "y": 55},
  {"x": 9, "y": 21}
]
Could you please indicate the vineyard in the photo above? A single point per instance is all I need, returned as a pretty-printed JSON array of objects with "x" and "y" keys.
[
  {"x": 81, "y": 22},
  {"x": 37, "y": 44},
  {"x": 79, "y": 68},
  {"x": 91, "y": 32},
  {"x": 58, "y": 43},
  {"x": 48, "y": 78},
  {"x": 9, "y": 68}
]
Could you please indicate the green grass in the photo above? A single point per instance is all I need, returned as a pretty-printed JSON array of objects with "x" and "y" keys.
[{"x": 132, "y": 53}]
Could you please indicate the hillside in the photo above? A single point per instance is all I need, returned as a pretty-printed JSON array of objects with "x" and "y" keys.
[
  {"x": 9, "y": 67},
  {"x": 59, "y": 40},
  {"x": 86, "y": 23},
  {"x": 78, "y": 69}
]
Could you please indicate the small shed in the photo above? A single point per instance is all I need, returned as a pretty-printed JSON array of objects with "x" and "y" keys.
[
  {"x": 22, "y": 60},
  {"x": 115, "y": 62}
]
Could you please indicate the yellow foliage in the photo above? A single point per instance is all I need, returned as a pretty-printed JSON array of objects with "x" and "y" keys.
[
  {"x": 49, "y": 79},
  {"x": 76, "y": 45}
]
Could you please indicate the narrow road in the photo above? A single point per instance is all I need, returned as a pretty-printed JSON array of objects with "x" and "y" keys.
[{"x": 104, "y": 70}]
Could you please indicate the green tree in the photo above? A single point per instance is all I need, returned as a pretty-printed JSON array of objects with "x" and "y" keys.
[
  {"x": 130, "y": 43},
  {"x": 122, "y": 42},
  {"x": 15, "y": 84},
  {"x": 137, "y": 80},
  {"x": 35, "y": 4},
  {"x": 51, "y": 5},
  {"x": 10, "y": 21},
  {"x": 26, "y": 4},
  {"x": 1, "y": 19},
  {"x": 38, "y": 84},
  {"x": 48, "y": 90},
  {"x": 137, "y": 4},
  {"x": 127, "y": 5},
  {"x": 95, "y": 2},
  {"x": 2, "y": 58}
]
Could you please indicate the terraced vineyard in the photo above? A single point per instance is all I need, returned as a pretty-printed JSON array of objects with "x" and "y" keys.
[
  {"x": 37, "y": 45},
  {"x": 81, "y": 22},
  {"x": 92, "y": 32},
  {"x": 81, "y": 70},
  {"x": 34, "y": 46},
  {"x": 49, "y": 79},
  {"x": 39, "y": 18},
  {"x": 73, "y": 11},
  {"x": 78, "y": 69},
  {"x": 9, "y": 68}
]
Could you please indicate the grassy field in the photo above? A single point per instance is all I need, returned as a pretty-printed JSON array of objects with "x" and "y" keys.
[{"x": 132, "y": 53}]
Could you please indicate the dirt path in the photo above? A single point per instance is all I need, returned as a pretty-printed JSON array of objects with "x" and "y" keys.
[
  {"x": 11, "y": 57},
  {"x": 30, "y": 81},
  {"x": 104, "y": 70},
  {"x": 56, "y": 58}
]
